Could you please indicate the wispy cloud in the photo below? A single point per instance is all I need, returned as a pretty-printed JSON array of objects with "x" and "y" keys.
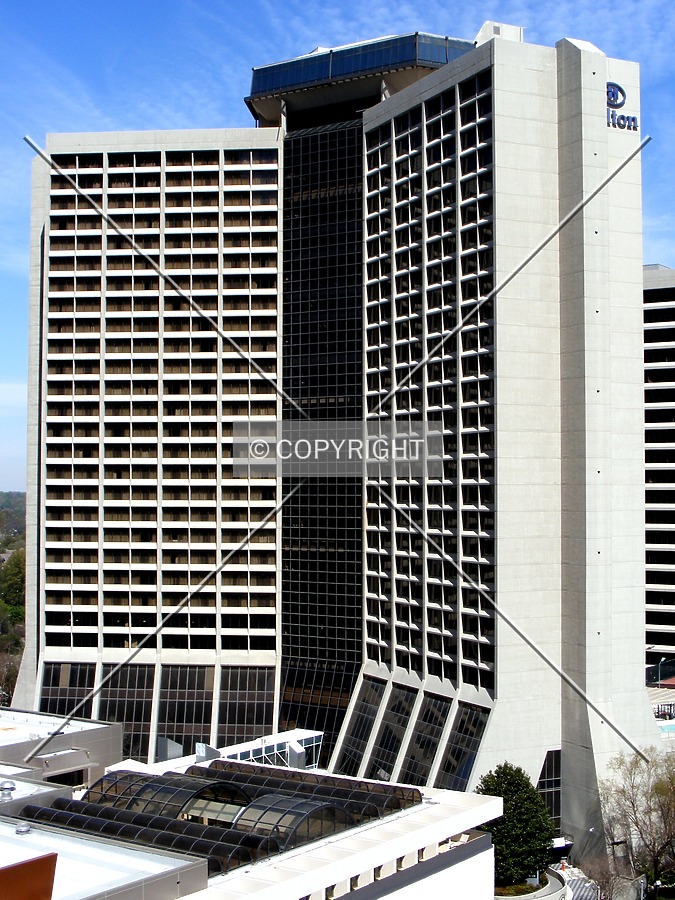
[{"x": 188, "y": 65}]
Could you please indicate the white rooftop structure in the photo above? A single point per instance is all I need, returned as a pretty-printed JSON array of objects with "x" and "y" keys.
[
  {"x": 19, "y": 726},
  {"x": 284, "y": 748},
  {"x": 430, "y": 847},
  {"x": 88, "y": 868},
  {"x": 433, "y": 845},
  {"x": 80, "y": 746}
]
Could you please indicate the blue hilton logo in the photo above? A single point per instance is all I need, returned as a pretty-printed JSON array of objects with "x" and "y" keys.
[{"x": 616, "y": 97}]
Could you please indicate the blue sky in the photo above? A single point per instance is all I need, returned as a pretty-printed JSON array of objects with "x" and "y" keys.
[{"x": 90, "y": 66}]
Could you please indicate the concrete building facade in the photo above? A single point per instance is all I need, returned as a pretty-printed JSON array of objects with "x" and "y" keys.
[
  {"x": 529, "y": 362},
  {"x": 540, "y": 395},
  {"x": 134, "y": 397},
  {"x": 659, "y": 321}
]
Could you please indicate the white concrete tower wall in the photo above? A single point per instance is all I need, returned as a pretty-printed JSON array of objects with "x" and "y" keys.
[
  {"x": 133, "y": 498},
  {"x": 474, "y": 172},
  {"x": 466, "y": 173},
  {"x": 602, "y": 430},
  {"x": 525, "y": 724}
]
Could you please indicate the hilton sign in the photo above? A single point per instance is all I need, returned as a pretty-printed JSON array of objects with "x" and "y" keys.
[{"x": 616, "y": 97}]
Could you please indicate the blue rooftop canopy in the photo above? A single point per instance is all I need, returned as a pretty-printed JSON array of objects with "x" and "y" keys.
[{"x": 357, "y": 60}]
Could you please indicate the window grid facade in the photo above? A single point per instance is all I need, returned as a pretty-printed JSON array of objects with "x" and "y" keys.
[
  {"x": 127, "y": 698},
  {"x": 429, "y": 257},
  {"x": 64, "y": 686},
  {"x": 246, "y": 704},
  {"x": 322, "y": 366},
  {"x": 548, "y": 785},
  {"x": 462, "y": 747},
  {"x": 426, "y": 734},
  {"x": 659, "y": 323},
  {"x": 140, "y": 397},
  {"x": 360, "y": 724},
  {"x": 391, "y": 733}
]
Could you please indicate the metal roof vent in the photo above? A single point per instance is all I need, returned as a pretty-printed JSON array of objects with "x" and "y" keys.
[{"x": 6, "y": 788}]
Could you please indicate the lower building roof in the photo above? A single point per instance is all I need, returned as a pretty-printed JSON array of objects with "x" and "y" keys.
[{"x": 89, "y": 868}]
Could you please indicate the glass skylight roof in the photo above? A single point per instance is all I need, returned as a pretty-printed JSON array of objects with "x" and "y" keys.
[{"x": 231, "y": 813}]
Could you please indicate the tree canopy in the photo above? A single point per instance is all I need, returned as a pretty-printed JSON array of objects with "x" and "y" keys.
[
  {"x": 638, "y": 802},
  {"x": 522, "y": 837},
  {"x": 13, "y": 581},
  {"x": 12, "y": 519}
]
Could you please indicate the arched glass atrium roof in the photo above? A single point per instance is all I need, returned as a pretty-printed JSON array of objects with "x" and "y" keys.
[
  {"x": 259, "y": 846},
  {"x": 222, "y": 857},
  {"x": 356, "y": 802},
  {"x": 363, "y": 799},
  {"x": 231, "y": 813},
  {"x": 170, "y": 795},
  {"x": 292, "y": 821}
]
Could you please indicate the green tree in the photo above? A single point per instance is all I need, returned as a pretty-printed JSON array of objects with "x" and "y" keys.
[
  {"x": 11, "y": 640},
  {"x": 9, "y": 671},
  {"x": 522, "y": 837},
  {"x": 13, "y": 584},
  {"x": 12, "y": 519}
]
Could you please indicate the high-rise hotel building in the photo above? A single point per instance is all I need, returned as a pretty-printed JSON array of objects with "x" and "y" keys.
[
  {"x": 659, "y": 325},
  {"x": 389, "y": 187},
  {"x": 133, "y": 499}
]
